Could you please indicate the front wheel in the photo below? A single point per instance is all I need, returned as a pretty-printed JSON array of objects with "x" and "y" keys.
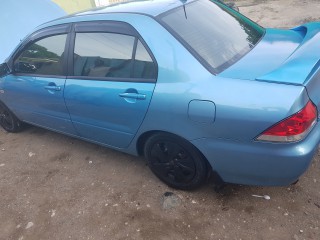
[
  {"x": 175, "y": 161},
  {"x": 8, "y": 120}
]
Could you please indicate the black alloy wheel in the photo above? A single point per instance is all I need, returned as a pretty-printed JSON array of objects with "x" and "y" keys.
[
  {"x": 175, "y": 161},
  {"x": 8, "y": 120}
]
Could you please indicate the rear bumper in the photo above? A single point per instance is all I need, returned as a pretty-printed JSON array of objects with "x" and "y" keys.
[{"x": 260, "y": 163}]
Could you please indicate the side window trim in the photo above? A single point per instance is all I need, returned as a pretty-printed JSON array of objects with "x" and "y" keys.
[
  {"x": 105, "y": 26},
  {"x": 42, "y": 33},
  {"x": 37, "y": 36},
  {"x": 71, "y": 44},
  {"x": 113, "y": 79},
  {"x": 108, "y": 27},
  {"x": 134, "y": 52}
]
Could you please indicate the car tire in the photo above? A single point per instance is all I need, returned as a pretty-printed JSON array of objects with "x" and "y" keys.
[
  {"x": 9, "y": 121},
  {"x": 175, "y": 161}
]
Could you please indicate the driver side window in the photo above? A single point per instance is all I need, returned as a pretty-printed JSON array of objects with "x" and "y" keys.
[{"x": 43, "y": 57}]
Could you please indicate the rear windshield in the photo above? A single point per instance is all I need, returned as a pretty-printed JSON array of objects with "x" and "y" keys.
[{"x": 213, "y": 33}]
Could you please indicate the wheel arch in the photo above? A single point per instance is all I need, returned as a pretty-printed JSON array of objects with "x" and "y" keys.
[
  {"x": 14, "y": 124},
  {"x": 144, "y": 137}
]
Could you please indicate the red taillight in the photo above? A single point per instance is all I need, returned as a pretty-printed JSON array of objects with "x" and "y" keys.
[{"x": 293, "y": 128}]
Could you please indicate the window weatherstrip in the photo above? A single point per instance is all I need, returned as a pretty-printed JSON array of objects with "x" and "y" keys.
[{"x": 134, "y": 52}]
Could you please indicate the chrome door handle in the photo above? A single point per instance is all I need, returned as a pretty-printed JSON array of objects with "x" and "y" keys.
[
  {"x": 133, "y": 95},
  {"x": 53, "y": 88}
]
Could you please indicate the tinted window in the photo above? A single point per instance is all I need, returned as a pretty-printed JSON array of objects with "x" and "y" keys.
[
  {"x": 217, "y": 35},
  {"x": 44, "y": 57},
  {"x": 143, "y": 66},
  {"x": 111, "y": 55},
  {"x": 103, "y": 55}
]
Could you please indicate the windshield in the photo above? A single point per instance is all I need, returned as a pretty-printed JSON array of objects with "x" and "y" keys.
[{"x": 215, "y": 34}]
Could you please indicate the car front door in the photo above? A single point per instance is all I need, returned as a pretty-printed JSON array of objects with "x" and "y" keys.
[
  {"x": 34, "y": 91},
  {"x": 112, "y": 80}
]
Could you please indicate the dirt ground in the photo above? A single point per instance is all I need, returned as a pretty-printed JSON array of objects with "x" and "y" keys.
[{"x": 56, "y": 187}]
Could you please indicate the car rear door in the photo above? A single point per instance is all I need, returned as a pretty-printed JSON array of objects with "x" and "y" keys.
[
  {"x": 34, "y": 90},
  {"x": 111, "y": 82}
]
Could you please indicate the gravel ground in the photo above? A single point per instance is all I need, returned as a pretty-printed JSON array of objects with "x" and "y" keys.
[{"x": 56, "y": 187}]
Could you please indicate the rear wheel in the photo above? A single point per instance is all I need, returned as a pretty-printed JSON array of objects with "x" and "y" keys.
[
  {"x": 8, "y": 120},
  {"x": 175, "y": 161}
]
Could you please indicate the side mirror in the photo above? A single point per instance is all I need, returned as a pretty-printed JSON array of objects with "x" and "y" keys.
[
  {"x": 24, "y": 67},
  {"x": 4, "y": 69}
]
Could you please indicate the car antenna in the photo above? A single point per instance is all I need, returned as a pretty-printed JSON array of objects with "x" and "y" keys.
[{"x": 184, "y": 7}]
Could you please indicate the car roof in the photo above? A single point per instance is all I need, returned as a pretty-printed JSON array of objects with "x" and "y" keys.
[
  {"x": 151, "y": 8},
  {"x": 147, "y": 7}
]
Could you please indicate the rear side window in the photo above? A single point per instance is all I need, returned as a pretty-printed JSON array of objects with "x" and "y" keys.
[
  {"x": 215, "y": 34},
  {"x": 143, "y": 65},
  {"x": 43, "y": 57},
  {"x": 111, "y": 55},
  {"x": 103, "y": 55}
]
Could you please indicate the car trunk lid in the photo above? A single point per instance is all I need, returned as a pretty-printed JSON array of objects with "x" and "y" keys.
[
  {"x": 302, "y": 66},
  {"x": 303, "y": 62},
  {"x": 285, "y": 57}
]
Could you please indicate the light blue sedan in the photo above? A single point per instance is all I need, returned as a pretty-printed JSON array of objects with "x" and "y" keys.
[{"x": 194, "y": 86}]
